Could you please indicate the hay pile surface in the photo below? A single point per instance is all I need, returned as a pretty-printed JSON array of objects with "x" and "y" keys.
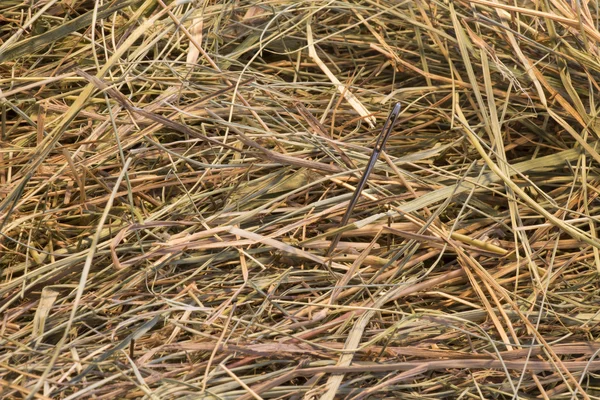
[{"x": 172, "y": 174}]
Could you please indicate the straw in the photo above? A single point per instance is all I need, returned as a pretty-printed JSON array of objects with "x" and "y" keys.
[{"x": 197, "y": 200}]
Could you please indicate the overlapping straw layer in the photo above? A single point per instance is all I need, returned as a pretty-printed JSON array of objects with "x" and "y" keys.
[{"x": 172, "y": 174}]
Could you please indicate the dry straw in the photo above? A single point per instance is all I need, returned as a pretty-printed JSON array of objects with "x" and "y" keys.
[{"x": 174, "y": 177}]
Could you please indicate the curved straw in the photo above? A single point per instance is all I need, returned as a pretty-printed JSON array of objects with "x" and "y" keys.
[{"x": 383, "y": 137}]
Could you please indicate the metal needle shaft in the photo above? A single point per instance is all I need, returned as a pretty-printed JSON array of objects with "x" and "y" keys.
[{"x": 379, "y": 145}]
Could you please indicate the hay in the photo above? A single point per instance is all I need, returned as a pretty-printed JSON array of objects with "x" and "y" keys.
[{"x": 173, "y": 175}]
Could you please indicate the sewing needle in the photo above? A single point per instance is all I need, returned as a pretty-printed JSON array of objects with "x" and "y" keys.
[{"x": 379, "y": 146}]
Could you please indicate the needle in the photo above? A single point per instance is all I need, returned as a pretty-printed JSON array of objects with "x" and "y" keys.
[{"x": 383, "y": 137}]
